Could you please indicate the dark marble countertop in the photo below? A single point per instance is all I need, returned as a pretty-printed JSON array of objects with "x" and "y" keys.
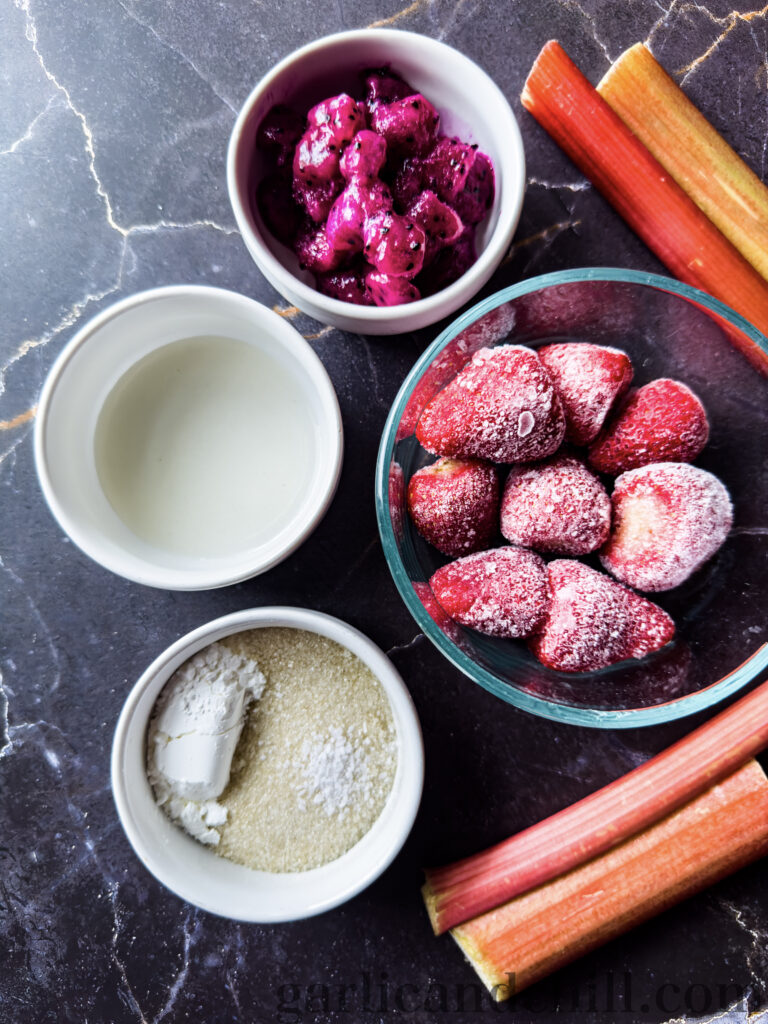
[{"x": 113, "y": 131}]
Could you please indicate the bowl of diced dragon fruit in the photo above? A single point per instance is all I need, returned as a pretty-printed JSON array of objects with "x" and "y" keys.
[
  {"x": 377, "y": 178},
  {"x": 570, "y": 491}
]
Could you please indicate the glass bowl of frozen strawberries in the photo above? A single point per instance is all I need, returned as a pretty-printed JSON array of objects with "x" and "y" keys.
[
  {"x": 571, "y": 495},
  {"x": 377, "y": 178}
]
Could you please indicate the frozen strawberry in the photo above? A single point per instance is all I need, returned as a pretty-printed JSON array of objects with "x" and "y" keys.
[
  {"x": 556, "y": 506},
  {"x": 454, "y": 504},
  {"x": 660, "y": 422},
  {"x": 502, "y": 407},
  {"x": 589, "y": 379},
  {"x": 488, "y": 329},
  {"x": 396, "y": 498},
  {"x": 443, "y": 621},
  {"x": 594, "y": 622},
  {"x": 668, "y": 520},
  {"x": 502, "y": 592}
]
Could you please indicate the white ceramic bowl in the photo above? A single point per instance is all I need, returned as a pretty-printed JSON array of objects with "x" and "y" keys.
[
  {"x": 88, "y": 369},
  {"x": 471, "y": 106},
  {"x": 193, "y": 871}
]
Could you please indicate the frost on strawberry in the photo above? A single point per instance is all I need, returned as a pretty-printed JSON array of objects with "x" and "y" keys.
[
  {"x": 386, "y": 290},
  {"x": 502, "y": 407},
  {"x": 394, "y": 244},
  {"x": 341, "y": 114},
  {"x": 594, "y": 622},
  {"x": 347, "y": 285},
  {"x": 503, "y": 592},
  {"x": 556, "y": 506},
  {"x": 663, "y": 421},
  {"x": 668, "y": 520},
  {"x": 589, "y": 379},
  {"x": 408, "y": 125},
  {"x": 364, "y": 157},
  {"x": 454, "y": 504}
]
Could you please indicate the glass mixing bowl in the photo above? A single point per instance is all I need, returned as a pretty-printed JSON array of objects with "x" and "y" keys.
[{"x": 668, "y": 330}]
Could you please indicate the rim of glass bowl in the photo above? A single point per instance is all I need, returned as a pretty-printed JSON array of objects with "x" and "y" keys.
[{"x": 622, "y": 719}]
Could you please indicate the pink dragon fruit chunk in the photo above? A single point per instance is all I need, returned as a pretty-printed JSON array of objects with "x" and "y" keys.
[
  {"x": 375, "y": 197},
  {"x": 315, "y": 251},
  {"x": 346, "y": 285},
  {"x": 447, "y": 167},
  {"x": 386, "y": 290},
  {"x": 394, "y": 244},
  {"x": 277, "y": 207},
  {"x": 409, "y": 125},
  {"x": 384, "y": 86},
  {"x": 364, "y": 156},
  {"x": 279, "y": 132},
  {"x": 317, "y": 200},
  {"x": 316, "y": 158},
  {"x": 406, "y": 184},
  {"x": 476, "y": 198},
  {"x": 441, "y": 224},
  {"x": 345, "y": 222},
  {"x": 343, "y": 115},
  {"x": 450, "y": 264}
]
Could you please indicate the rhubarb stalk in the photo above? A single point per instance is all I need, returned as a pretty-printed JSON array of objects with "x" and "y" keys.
[
  {"x": 565, "y": 103},
  {"x": 710, "y": 837},
  {"x": 469, "y": 887},
  {"x": 657, "y": 110}
]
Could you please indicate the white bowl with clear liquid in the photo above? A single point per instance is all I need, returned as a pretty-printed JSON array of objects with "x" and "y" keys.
[{"x": 188, "y": 438}]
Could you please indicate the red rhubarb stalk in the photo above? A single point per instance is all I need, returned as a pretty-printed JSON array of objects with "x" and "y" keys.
[
  {"x": 527, "y": 938},
  {"x": 469, "y": 887},
  {"x": 565, "y": 103}
]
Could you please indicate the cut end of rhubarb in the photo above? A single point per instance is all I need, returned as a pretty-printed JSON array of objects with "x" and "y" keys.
[
  {"x": 529, "y": 937},
  {"x": 430, "y": 902},
  {"x": 501, "y": 985}
]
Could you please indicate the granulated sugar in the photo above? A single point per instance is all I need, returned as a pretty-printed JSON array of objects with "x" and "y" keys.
[{"x": 316, "y": 759}]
